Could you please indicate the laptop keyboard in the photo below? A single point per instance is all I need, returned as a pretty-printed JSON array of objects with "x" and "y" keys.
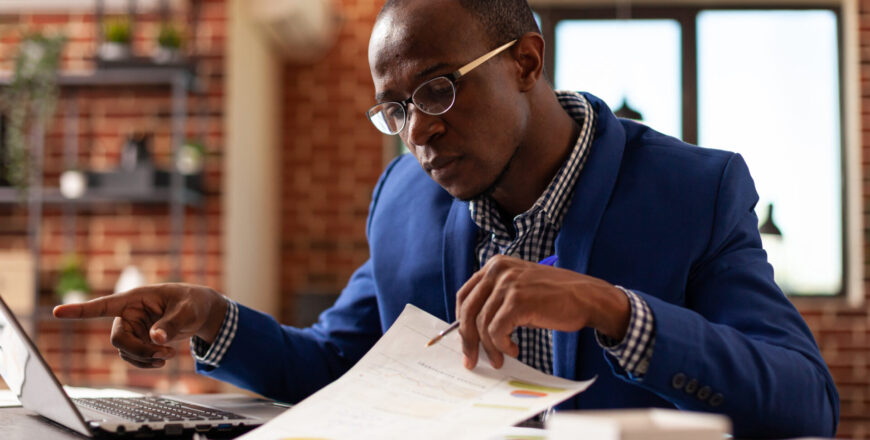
[{"x": 154, "y": 409}]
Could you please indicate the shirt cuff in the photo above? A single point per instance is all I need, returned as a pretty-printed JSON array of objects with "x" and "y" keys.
[
  {"x": 213, "y": 354},
  {"x": 635, "y": 350}
]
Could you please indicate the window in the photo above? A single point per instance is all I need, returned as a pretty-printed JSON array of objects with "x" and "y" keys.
[
  {"x": 638, "y": 67},
  {"x": 778, "y": 81},
  {"x": 770, "y": 91}
]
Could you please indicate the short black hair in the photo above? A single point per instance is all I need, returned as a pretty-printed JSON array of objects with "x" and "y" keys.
[{"x": 502, "y": 20}]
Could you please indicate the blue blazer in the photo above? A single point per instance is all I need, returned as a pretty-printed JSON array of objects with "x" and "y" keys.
[{"x": 670, "y": 221}]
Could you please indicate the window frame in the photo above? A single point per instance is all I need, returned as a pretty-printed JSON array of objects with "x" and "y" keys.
[{"x": 686, "y": 15}]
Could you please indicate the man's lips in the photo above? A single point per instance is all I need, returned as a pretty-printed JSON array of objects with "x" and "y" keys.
[{"x": 440, "y": 163}]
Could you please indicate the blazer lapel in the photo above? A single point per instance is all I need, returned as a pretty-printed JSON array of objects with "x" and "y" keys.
[
  {"x": 460, "y": 235},
  {"x": 588, "y": 204}
]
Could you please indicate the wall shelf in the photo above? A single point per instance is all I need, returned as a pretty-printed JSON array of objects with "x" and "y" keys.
[
  {"x": 52, "y": 196},
  {"x": 122, "y": 76},
  {"x": 179, "y": 79}
]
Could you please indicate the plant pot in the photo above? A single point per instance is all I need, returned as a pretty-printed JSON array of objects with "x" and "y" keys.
[
  {"x": 166, "y": 55},
  {"x": 112, "y": 51}
]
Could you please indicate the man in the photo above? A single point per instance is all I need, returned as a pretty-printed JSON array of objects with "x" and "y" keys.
[{"x": 660, "y": 286}]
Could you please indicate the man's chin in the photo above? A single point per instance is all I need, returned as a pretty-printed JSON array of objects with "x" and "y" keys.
[{"x": 466, "y": 194}]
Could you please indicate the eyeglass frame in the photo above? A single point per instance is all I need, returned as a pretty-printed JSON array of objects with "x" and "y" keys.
[{"x": 453, "y": 77}]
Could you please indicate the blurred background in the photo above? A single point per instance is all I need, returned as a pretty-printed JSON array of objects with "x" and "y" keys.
[{"x": 224, "y": 142}]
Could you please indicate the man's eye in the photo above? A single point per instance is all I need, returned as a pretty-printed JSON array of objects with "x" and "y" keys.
[
  {"x": 442, "y": 88},
  {"x": 393, "y": 111}
]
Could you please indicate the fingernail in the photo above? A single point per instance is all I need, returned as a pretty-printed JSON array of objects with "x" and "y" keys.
[
  {"x": 158, "y": 363},
  {"x": 158, "y": 335},
  {"x": 161, "y": 355}
]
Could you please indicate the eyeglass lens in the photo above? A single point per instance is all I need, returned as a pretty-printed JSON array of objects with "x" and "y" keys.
[{"x": 434, "y": 97}]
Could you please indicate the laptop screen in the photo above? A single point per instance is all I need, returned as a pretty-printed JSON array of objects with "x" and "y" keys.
[{"x": 27, "y": 374}]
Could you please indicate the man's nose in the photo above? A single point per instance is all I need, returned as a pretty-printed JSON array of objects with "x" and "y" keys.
[{"x": 422, "y": 127}]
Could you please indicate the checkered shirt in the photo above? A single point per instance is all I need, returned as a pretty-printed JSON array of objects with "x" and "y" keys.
[
  {"x": 212, "y": 354},
  {"x": 532, "y": 237}
]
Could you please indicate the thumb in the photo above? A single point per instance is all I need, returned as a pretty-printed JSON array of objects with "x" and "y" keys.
[{"x": 165, "y": 329}]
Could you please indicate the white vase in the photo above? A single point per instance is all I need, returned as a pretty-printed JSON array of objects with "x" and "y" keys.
[
  {"x": 112, "y": 51},
  {"x": 165, "y": 55}
]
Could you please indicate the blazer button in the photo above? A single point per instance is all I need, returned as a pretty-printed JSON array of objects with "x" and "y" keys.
[
  {"x": 717, "y": 399},
  {"x": 691, "y": 386},
  {"x": 678, "y": 381},
  {"x": 704, "y": 392}
]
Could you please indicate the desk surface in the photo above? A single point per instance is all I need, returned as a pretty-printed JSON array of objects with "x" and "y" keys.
[{"x": 17, "y": 423}]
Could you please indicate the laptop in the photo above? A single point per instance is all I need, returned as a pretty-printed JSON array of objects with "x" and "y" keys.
[{"x": 27, "y": 374}]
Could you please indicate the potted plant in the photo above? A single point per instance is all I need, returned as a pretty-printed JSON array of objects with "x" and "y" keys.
[
  {"x": 168, "y": 45},
  {"x": 72, "y": 286},
  {"x": 28, "y": 101},
  {"x": 117, "y": 38}
]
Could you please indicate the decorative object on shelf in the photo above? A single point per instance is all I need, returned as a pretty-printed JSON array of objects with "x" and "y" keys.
[
  {"x": 137, "y": 175},
  {"x": 118, "y": 36},
  {"x": 29, "y": 101},
  {"x": 135, "y": 153},
  {"x": 72, "y": 286},
  {"x": 73, "y": 184},
  {"x": 168, "y": 45},
  {"x": 131, "y": 278},
  {"x": 190, "y": 158}
]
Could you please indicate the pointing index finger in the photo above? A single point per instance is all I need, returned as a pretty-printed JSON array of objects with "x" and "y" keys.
[{"x": 106, "y": 306}]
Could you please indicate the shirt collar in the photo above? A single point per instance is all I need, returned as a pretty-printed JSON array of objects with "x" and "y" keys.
[{"x": 554, "y": 201}]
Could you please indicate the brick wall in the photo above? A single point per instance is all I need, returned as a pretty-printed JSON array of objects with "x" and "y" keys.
[
  {"x": 331, "y": 161},
  {"x": 110, "y": 236},
  {"x": 332, "y": 158}
]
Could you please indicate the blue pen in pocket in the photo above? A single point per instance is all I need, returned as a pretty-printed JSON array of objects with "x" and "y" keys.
[{"x": 549, "y": 261}]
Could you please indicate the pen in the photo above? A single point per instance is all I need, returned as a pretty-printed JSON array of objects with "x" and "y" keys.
[{"x": 549, "y": 261}]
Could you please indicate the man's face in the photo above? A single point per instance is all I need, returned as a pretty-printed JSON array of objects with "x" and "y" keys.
[{"x": 468, "y": 148}]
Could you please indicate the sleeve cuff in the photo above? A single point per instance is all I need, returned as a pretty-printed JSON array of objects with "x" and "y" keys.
[
  {"x": 213, "y": 354},
  {"x": 635, "y": 350}
]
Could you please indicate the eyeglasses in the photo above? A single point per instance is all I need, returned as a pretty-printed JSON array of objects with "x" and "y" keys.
[{"x": 434, "y": 97}]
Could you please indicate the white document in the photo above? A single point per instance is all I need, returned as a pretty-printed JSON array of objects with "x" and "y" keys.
[{"x": 402, "y": 389}]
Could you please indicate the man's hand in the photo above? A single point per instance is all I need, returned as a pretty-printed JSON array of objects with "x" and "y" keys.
[
  {"x": 148, "y": 319},
  {"x": 508, "y": 293}
]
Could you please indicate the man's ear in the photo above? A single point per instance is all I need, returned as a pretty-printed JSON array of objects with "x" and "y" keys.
[{"x": 528, "y": 55}]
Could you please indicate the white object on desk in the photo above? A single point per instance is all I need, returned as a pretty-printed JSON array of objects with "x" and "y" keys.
[{"x": 645, "y": 424}]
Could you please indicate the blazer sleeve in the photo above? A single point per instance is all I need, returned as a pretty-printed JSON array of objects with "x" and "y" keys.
[
  {"x": 738, "y": 335},
  {"x": 288, "y": 363}
]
